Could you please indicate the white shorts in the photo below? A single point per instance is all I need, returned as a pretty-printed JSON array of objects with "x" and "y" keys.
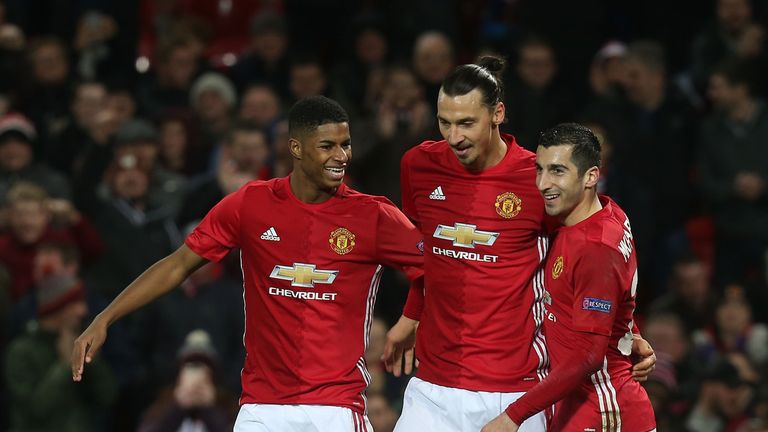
[
  {"x": 299, "y": 418},
  {"x": 430, "y": 407}
]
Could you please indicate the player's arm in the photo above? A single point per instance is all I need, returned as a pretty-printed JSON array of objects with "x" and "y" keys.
[
  {"x": 587, "y": 351},
  {"x": 216, "y": 235},
  {"x": 160, "y": 278},
  {"x": 415, "y": 302},
  {"x": 597, "y": 275}
]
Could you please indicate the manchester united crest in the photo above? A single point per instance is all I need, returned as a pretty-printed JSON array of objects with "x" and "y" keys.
[
  {"x": 342, "y": 241},
  {"x": 557, "y": 269},
  {"x": 508, "y": 205}
]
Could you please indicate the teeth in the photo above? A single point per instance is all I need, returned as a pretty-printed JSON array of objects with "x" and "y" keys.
[{"x": 336, "y": 170}]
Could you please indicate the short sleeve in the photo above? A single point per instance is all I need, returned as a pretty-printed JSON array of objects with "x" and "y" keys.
[
  {"x": 399, "y": 243},
  {"x": 219, "y": 232},
  {"x": 597, "y": 281},
  {"x": 406, "y": 194}
]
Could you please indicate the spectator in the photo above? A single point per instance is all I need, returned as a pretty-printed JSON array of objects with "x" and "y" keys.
[
  {"x": 40, "y": 385},
  {"x": 607, "y": 72},
  {"x": 266, "y": 58},
  {"x": 17, "y": 138},
  {"x": 307, "y": 78},
  {"x": 433, "y": 60},
  {"x": 195, "y": 402},
  {"x": 69, "y": 147},
  {"x": 243, "y": 158},
  {"x": 402, "y": 117},
  {"x": 34, "y": 219},
  {"x": 533, "y": 99},
  {"x": 179, "y": 148},
  {"x": 724, "y": 399},
  {"x": 129, "y": 219},
  {"x": 734, "y": 331},
  {"x": 734, "y": 34},
  {"x": 734, "y": 171},
  {"x": 213, "y": 100},
  {"x": 260, "y": 105},
  {"x": 168, "y": 87},
  {"x": 689, "y": 295},
  {"x": 651, "y": 119}
]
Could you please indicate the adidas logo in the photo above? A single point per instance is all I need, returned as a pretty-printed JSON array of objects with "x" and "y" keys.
[
  {"x": 270, "y": 235},
  {"x": 437, "y": 194}
]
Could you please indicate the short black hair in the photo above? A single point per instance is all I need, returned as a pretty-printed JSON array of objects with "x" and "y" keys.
[
  {"x": 484, "y": 76},
  {"x": 586, "y": 146},
  {"x": 309, "y": 113}
]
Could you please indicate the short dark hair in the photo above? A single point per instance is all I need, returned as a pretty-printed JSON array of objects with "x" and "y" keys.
[
  {"x": 586, "y": 146},
  {"x": 484, "y": 76},
  {"x": 309, "y": 113}
]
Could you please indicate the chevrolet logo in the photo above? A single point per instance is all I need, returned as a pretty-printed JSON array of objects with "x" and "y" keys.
[
  {"x": 304, "y": 275},
  {"x": 465, "y": 235}
]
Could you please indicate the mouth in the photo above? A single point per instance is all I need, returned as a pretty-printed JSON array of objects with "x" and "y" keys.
[
  {"x": 550, "y": 196},
  {"x": 335, "y": 173},
  {"x": 462, "y": 150}
]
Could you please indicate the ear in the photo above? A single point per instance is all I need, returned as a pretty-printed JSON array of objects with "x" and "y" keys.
[
  {"x": 591, "y": 177},
  {"x": 295, "y": 147},
  {"x": 498, "y": 114}
]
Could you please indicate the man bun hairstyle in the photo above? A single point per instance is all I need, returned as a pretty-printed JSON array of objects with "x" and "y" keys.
[
  {"x": 586, "y": 146},
  {"x": 484, "y": 76},
  {"x": 309, "y": 113}
]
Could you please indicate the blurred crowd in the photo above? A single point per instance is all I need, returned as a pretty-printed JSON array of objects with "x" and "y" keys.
[{"x": 123, "y": 123}]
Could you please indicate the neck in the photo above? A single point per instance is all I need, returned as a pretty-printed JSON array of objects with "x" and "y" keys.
[
  {"x": 586, "y": 208},
  {"x": 307, "y": 191},
  {"x": 743, "y": 111},
  {"x": 496, "y": 152}
]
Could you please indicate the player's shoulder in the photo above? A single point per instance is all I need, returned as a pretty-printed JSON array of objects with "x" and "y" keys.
[
  {"x": 608, "y": 229},
  {"x": 426, "y": 150},
  {"x": 355, "y": 197}
]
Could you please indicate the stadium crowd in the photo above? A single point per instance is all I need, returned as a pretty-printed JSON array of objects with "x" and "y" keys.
[{"x": 123, "y": 123}]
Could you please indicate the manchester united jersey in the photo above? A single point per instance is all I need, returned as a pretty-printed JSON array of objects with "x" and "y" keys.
[
  {"x": 310, "y": 272},
  {"x": 591, "y": 280},
  {"x": 482, "y": 248}
]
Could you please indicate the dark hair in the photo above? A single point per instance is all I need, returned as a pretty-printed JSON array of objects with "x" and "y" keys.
[
  {"x": 247, "y": 126},
  {"x": 309, "y": 113},
  {"x": 737, "y": 72},
  {"x": 586, "y": 146},
  {"x": 485, "y": 76}
]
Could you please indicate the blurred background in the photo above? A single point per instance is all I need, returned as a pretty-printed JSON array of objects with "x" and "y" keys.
[{"x": 123, "y": 123}]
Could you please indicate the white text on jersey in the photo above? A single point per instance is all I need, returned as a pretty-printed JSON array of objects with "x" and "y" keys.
[
  {"x": 302, "y": 295},
  {"x": 463, "y": 255},
  {"x": 625, "y": 246}
]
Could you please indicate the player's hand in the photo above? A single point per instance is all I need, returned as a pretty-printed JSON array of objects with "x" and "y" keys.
[
  {"x": 647, "y": 363},
  {"x": 399, "y": 353},
  {"x": 502, "y": 423},
  {"x": 86, "y": 347}
]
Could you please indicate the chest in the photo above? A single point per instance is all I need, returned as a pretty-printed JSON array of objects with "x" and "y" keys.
[{"x": 467, "y": 209}]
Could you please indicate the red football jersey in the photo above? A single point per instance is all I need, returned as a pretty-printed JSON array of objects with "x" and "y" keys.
[
  {"x": 483, "y": 244},
  {"x": 310, "y": 272},
  {"x": 591, "y": 280}
]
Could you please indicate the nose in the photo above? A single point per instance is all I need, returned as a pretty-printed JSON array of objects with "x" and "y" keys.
[
  {"x": 455, "y": 136},
  {"x": 341, "y": 154},
  {"x": 542, "y": 181}
]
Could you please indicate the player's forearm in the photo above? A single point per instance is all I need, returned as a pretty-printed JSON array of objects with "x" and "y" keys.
[
  {"x": 160, "y": 278},
  {"x": 415, "y": 302},
  {"x": 586, "y": 358}
]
